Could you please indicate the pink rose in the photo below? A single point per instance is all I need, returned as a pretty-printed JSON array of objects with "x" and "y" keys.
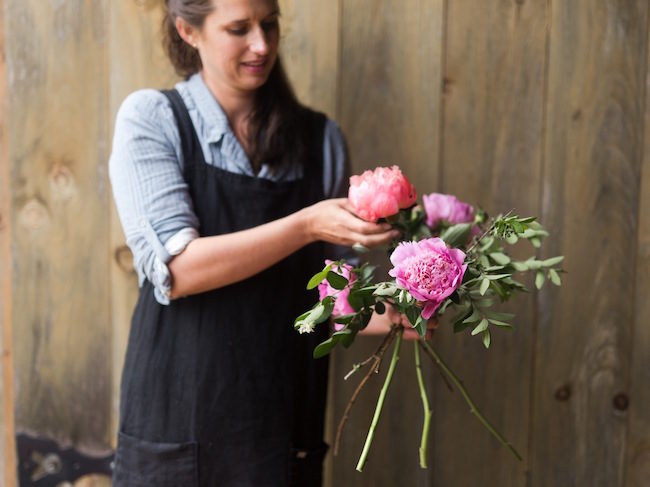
[
  {"x": 440, "y": 207},
  {"x": 380, "y": 193},
  {"x": 341, "y": 304},
  {"x": 429, "y": 270}
]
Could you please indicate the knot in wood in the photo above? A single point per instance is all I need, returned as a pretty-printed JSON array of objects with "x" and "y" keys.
[
  {"x": 621, "y": 402},
  {"x": 563, "y": 393}
]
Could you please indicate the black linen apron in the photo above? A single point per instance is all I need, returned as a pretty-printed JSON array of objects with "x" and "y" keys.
[{"x": 217, "y": 388}]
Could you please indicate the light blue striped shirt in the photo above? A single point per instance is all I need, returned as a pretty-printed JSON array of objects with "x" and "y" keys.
[{"x": 146, "y": 173}]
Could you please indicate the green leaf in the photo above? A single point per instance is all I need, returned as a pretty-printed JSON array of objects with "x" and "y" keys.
[
  {"x": 552, "y": 261},
  {"x": 367, "y": 271},
  {"x": 487, "y": 338},
  {"x": 337, "y": 281},
  {"x": 519, "y": 266},
  {"x": 512, "y": 238},
  {"x": 496, "y": 277},
  {"x": 499, "y": 316},
  {"x": 481, "y": 327},
  {"x": 325, "y": 347},
  {"x": 539, "y": 280},
  {"x": 500, "y": 323},
  {"x": 500, "y": 258},
  {"x": 554, "y": 277},
  {"x": 485, "y": 262},
  {"x": 421, "y": 326},
  {"x": 537, "y": 243},
  {"x": 485, "y": 303},
  {"x": 318, "y": 277},
  {"x": 456, "y": 235},
  {"x": 533, "y": 264},
  {"x": 473, "y": 317},
  {"x": 484, "y": 286},
  {"x": 460, "y": 326},
  {"x": 487, "y": 243},
  {"x": 413, "y": 314},
  {"x": 385, "y": 290}
]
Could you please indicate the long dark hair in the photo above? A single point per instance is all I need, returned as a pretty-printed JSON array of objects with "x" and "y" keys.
[{"x": 276, "y": 130}]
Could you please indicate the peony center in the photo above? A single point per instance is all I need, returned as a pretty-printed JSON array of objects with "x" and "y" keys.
[{"x": 430, "y": 272}]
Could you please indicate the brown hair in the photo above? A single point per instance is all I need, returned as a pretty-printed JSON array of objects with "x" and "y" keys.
[
  {"x": 184, "y": 58},
  {"x": 276, "y": 129}
]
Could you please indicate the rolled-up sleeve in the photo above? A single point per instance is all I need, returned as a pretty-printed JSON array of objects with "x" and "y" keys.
[{"x": 150, "y": 193}]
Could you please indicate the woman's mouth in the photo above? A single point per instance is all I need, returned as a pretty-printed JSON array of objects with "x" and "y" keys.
[{"x": 256, "y": 67}]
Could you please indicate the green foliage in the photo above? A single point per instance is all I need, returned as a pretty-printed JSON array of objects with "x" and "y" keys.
[{"x": 488, "y": 279}]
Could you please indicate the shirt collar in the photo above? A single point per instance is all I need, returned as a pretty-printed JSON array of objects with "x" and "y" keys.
[{"x": 208, "y": 108}]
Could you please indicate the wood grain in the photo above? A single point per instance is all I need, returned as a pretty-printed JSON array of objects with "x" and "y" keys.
[
  {"x": 594, "y": 136},
  {"x": 310, "y": 50},
  {"x": 492, "y": 154},
  {"x": 7, "y": 434},
  {"x": 637, "y": 451},
  {"x": 137, "y": 60},
  {"x": 389, "y": 108},
  {"x": 56, "y": 72}
]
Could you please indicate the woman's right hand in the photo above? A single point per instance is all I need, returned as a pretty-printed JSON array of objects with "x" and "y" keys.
[{"x": 332, "y": 221}]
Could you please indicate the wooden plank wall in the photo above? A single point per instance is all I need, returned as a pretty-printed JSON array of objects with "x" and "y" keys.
[
  {"x": 7, "y": 445},
  {"x": 536, "y": 105}
]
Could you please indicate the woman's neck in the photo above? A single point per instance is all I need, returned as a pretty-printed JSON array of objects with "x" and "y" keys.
[{"x": 237, "y": 105}]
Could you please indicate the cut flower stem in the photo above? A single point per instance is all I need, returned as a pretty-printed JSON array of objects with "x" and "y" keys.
[
  {"x": 380, "y": 401},
  {"x": 425, "y": 407},
  {"x": 469, "y": 401}
]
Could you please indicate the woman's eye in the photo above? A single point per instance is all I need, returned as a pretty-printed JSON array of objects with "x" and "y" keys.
[
  {"x": 271, "y": 25},
  {"x": 239, "y": 31}
]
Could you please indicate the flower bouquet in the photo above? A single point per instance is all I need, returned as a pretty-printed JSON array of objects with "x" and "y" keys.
[{"x": 451, "y": 258}]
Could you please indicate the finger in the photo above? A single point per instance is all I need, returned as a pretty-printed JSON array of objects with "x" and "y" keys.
[
  {"x": 378, "y": 239},
  {"x": 410, "y": 334}
]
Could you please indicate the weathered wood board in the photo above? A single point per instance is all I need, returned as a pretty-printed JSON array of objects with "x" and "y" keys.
[
  {"x": 491, "y": 156},
  {"x": 590, "y": 186},
  {"x": 57, "y": 79},
  {"x": 390, "y": 74}
]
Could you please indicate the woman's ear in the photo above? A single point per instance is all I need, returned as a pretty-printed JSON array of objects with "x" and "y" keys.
[{"x": 188, "y": 32}]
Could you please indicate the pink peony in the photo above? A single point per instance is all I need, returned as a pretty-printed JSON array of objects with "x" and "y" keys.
[
  {"x": 341, "y": 304},
  {"x": 439, "y": 207},
  {"x": 380, "y": 193},
  {"x": 429, "y": 270}
]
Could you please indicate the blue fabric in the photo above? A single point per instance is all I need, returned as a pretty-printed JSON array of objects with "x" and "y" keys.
[{"x": 146, "y": 172}]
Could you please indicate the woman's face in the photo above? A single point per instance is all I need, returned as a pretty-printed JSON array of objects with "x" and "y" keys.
[{"x": 238, "y": 44}]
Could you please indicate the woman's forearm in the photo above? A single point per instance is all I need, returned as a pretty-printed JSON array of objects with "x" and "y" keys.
[{"x": 211, "y": 262}]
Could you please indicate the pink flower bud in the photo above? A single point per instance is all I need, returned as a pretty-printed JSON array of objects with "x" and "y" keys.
[
  {"x": 439, "y": 207},
  {"x": 341, "y": 304},
  {"x": 380, "y": 193}
]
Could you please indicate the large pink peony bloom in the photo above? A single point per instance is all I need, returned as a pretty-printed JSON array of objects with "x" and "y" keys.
[
  {"x": 429, "y": 270},
  {"x": 341, "y": 304},
  {"x": 440, "y": 207},
  {"x": 380, "y": 193}
]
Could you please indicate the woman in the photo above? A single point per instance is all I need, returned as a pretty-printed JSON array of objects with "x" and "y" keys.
[{"x": 225, "y": 188}]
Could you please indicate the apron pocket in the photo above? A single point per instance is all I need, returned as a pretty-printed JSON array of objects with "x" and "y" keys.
[{"x": 141, "y": 463}]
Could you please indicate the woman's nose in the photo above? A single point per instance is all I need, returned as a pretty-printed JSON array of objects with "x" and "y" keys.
[{"x": 258, "y": 43}]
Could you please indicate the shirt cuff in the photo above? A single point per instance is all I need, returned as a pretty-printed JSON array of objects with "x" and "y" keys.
[{"x": 161, "y": 277}]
